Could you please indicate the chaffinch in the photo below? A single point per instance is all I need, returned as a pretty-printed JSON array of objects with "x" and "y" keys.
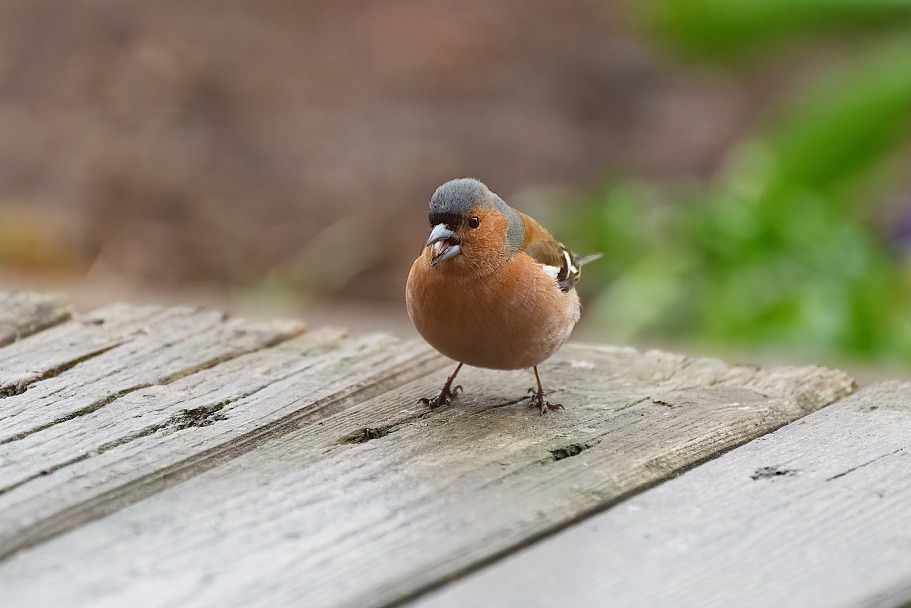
[{"x": 492, "y": 288}]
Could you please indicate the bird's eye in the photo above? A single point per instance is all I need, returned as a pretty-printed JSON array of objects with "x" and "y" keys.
[{"x": 474, "y": 221}]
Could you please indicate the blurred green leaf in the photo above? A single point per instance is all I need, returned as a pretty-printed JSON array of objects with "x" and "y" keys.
[
  {"x": 718, "y": 28},
  {"x": 840, "y": 128}
]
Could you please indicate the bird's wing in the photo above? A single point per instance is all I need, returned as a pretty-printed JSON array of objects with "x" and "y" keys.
[{"x": 557, "y": 260}]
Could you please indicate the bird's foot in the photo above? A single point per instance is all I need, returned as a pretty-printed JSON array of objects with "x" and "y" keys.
[
  {"x": 444, "y": 398},
  {"x": 539, "y": 400}
]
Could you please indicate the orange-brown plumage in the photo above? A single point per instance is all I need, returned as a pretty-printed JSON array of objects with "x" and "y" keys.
[
  {"x": 539, "y": 244},
  {"x": 492, "y": 288}
]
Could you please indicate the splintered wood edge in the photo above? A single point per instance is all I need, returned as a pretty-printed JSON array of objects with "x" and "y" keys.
[{"x": 25, "y": 313}]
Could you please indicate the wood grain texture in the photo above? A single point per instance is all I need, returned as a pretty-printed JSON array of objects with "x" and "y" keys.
[
  {"x": 76, "y": 368},
  {"x": 381, "y": 501},
  {"x": 62, "y": 475},
  {"x": 55, "y": 350},
  {"x": 25, "y": 313},
  {"x": 817, "y": 513}
]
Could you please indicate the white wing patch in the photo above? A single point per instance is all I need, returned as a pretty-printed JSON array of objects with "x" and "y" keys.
[
  {"x": 571, "y": 268},
  {"x": 551, "y": 271},
  {"x": 568, "y": 272}
]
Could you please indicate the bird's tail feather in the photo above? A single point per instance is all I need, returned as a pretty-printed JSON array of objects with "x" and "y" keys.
[{"x": 582, "y": 260}]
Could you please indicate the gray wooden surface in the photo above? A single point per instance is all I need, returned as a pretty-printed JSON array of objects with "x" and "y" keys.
[
  {"x": 22, "y": 314},
  {"x": 139, "y": 398},
  {"x": 77, "y": 368},
  {"x": 817, "y": 513},
  {"x": 341, "y": 489}
]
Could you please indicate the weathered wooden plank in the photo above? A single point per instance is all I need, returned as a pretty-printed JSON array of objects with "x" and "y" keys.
[
  {"x": 25, "y": 313},
  {"x": 77, "y": 368},
  {"x": 816, "y": 514},
  {"x": 205, "y": 395},
  {"x": 57, "y": 349},
  {"x": 72, "y": 471},
  {"x": 376, "y": 503}
]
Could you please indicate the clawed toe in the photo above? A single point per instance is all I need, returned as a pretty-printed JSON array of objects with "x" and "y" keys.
[
  {"x": 539, "y": 400},
  {"x": 445, "y": 397},
  {"x": 447, "y": 393}
]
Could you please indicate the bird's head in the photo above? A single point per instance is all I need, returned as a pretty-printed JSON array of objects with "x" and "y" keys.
[{"x": 471, "y": 228}]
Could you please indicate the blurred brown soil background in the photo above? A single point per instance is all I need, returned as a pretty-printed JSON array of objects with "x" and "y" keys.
[{"x": 290, "y": 147}]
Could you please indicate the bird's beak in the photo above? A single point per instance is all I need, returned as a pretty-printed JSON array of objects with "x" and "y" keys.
[{"x": 444, "y": 244}]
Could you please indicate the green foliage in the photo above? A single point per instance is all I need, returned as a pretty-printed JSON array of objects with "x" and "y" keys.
[
  {"x": 783, "y": 249},
  {"x": 848, "y": 123},
  {"x": 721, "y": 29}
]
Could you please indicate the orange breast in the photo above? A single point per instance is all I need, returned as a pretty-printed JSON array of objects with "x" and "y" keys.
[{"x": 514, "y": 318}]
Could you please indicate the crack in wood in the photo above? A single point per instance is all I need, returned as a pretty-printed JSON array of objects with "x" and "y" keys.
[
  {"x": 632, "y": 404},
  {"x": 210, "y": 363},
  {"x": 369, "y": 433},
  {"x": 196, "y": 417},
  {"x": 21, "y": 386},
  {"x": 772, "y": 473},
  {"x": 95, "y": 406},
  {"x": 92, "y": 407},
  {"x": 864, "y": 464},
  {"x": 573, "y": 449}
]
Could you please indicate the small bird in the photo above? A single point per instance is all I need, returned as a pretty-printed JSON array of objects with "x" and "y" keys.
[{"x": 491, "y": 288}]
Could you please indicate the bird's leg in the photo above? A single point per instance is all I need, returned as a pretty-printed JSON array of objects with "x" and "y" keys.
[
  {"x": 539, "y": 399},
  {"x": 447, "y": 393}
]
